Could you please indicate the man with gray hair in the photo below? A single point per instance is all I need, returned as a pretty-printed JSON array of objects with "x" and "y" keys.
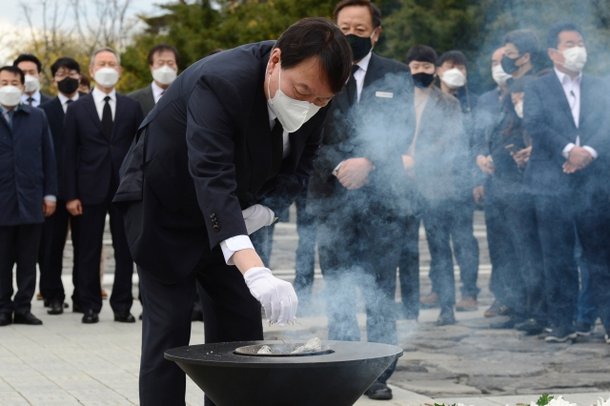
[{"x": 98, "y": 129}]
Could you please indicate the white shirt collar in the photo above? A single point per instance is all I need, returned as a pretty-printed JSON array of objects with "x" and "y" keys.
[
  {"x": 157, "y": 91},
  {"x": 566, "y": 79},
  {"x": 35, "y": 96},
  {"x": 99, "y": 96},
  {"x": 63, "y": 98},
  {"x": 364, "y": 62}
]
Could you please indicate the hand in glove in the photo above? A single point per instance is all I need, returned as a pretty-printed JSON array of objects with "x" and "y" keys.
[
  {"x": 277, "y": 296},
  {"x": 257, "y": 217}
]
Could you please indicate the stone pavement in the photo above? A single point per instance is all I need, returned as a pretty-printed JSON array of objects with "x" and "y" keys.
[{"x": 65, "y": 362}]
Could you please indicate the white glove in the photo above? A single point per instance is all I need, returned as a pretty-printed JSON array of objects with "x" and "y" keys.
[
  {"x": 257, "y": 217},
  {"x": 277, "y": 296}
]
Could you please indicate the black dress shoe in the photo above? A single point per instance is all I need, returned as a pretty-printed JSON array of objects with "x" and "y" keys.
[
  {"x": 55, "y": 307},
  {"x": 124, "y": 317},
  {"x": 6, "y": 319},
  {"x": 90, "y": 317},
  {"x": 76, "y": 308},
  {"x": 530, "y": 327},
  {"x": 27, "y": 318},
  {"x": 379, "y": 391},
  {"x": 446, "y": 318}
]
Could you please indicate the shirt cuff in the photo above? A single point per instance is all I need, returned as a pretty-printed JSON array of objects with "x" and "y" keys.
[
  {"x": 591, "y": 151},
  {"x": 567, "y": 149},
  {"x": 231, "y": 245},
  {"x": 50, "y": 198}
]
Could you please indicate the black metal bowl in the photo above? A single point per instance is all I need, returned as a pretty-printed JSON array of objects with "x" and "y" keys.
[{"x": 336, "y": 378}]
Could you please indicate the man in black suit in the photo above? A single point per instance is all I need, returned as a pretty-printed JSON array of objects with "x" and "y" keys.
[
  {"x": 98, "y": 130},
  {"x": 565, "y": 113},
  {"x": 205, "y": 152},
  {"x": 66, "y": 76},
  {"x": 163, "y": 64},
  {"x": 356, "y": 189},
  {"x": 31, "y": 66}
]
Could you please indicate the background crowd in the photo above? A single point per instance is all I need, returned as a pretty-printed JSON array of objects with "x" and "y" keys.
[{"x": 407, "y": 143}]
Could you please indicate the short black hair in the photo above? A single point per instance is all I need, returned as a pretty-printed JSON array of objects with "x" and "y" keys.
[
  {"x": 455, "y": 56},
  {"x": 14, "y": 70},
  {"x": 28, "y": 58},
  {"x": 422, "y": 53},
  {"x": 525, "y": 40},
  {"x": 317, "y": 37},
  {"x": 375, "y": 12},
  {"x": 552, "y": 39},
  {"x": 161, "y": 48},
  {"x": 64, "y": 62}
]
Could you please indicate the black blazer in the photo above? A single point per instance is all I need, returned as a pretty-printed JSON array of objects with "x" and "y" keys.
[
  {"x": 205, "y": 153},
  {"x": 91, "y": 161},
  {"x": 378, "y": 128},
  {"x": 548, "y": 120},
  {"x": 144, "y": 96}
]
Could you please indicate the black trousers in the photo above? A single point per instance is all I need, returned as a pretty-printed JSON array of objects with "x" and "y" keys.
[
  {"x": 90, "y": 241},
  {"x": 230, "y": 314},
  {"x": 557, "y": 216},
  {"x": 50, "y": 259},
  {"x": 18, "y": 244},
  {"x": 409, "y": 268},
  {"x": 359, "y": 251}
]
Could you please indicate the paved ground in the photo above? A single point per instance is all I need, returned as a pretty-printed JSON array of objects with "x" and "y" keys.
[{"x": 67, "y": 363}]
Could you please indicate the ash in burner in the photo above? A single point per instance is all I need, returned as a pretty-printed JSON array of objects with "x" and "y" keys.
[{"x": 313, "y": 346}]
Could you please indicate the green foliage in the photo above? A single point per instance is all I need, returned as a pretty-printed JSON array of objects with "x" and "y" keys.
[{"x": 544, "y": 399}]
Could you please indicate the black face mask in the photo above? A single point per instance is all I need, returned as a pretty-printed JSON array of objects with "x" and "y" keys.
[
  {"x": 422, "y": 79},
  {"x": 360, "y": 46},
  {"x": 68, "y": 85},
  {"x": 509, "y": 65}
]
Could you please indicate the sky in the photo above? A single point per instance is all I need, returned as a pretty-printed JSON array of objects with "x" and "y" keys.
[{"x": 14, "y": 26}]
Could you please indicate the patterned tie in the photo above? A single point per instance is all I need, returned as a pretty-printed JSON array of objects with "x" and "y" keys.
[{"x": 107, "y": 118}]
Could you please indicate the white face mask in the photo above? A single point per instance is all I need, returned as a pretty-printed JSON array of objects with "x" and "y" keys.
[
  {"x": 10, "y": 96},
  {"x": 499, "y": 76},
  {"x": 519, "y": 109},
  {"x": 106, "y": 77},
  {"x": 575, "y": 58},
  {"x": 164, "y": 75},
  {"x": 291, "y": 113},
  {"x": 32, "y": 84},
  {"x": 454, "y": 78}
]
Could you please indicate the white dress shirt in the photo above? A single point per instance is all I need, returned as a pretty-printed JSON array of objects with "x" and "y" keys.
[
  {"x": 157, "y": 91},
  {"x": 35, "y": 96},
  {"x": 571, "y": 88},
  {"x": 64, "y": 100},
  {"x": 98, "y": 98},
  {"x": 359, "y": 75}
]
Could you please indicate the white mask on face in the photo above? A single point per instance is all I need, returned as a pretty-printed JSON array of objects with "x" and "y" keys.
[
  {"x": 10, "y": 96},
  {"x": 575, "y": 58},
  {"x": 106, "y": 77},
  {"x": 291, "y": 113},
  {"x": 164, "y": 75},
  {"x": 32, "y": 84},
  {"x": 519, "y": 109},
  {"x": 454, "y": 78},
  {"x": 499, "y": 76}
]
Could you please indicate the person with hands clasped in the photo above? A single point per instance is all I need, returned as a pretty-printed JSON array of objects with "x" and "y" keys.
[{"x": 236, "y": 131}]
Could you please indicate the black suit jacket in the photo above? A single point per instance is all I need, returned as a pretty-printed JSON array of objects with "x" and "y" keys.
[
  {"x": 378, "y": 128},
  {"x": 144, "y": 96},
  {"x": 91, "y": 161},
  {"x": 205, "y": 154},
  {"x": 548, "y": 120}
]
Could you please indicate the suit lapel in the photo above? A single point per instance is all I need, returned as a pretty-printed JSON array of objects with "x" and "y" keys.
[
  {"x": 558, "y": 99},
  {"x": 90, "y": 107}
]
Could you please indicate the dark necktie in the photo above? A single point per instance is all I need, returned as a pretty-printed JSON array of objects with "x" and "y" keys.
[
  {"x": 107, "y": 118},
  {"x": 30, "y": 100},
  {"x": 351, "y": 86},
  {"x": 277, "y": 145}
]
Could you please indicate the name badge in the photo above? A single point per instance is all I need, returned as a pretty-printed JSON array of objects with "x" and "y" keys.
[{"x": 385, "y": 95}]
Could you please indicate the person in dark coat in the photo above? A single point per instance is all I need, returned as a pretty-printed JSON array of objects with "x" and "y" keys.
[
  {"x": 66, "y": 76},
  {"x": 28, "y": 190},
  {"x": 236, "y": 131},
  {"x": 98, "y": 130},
  {"x": 357, "y": 191}
]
